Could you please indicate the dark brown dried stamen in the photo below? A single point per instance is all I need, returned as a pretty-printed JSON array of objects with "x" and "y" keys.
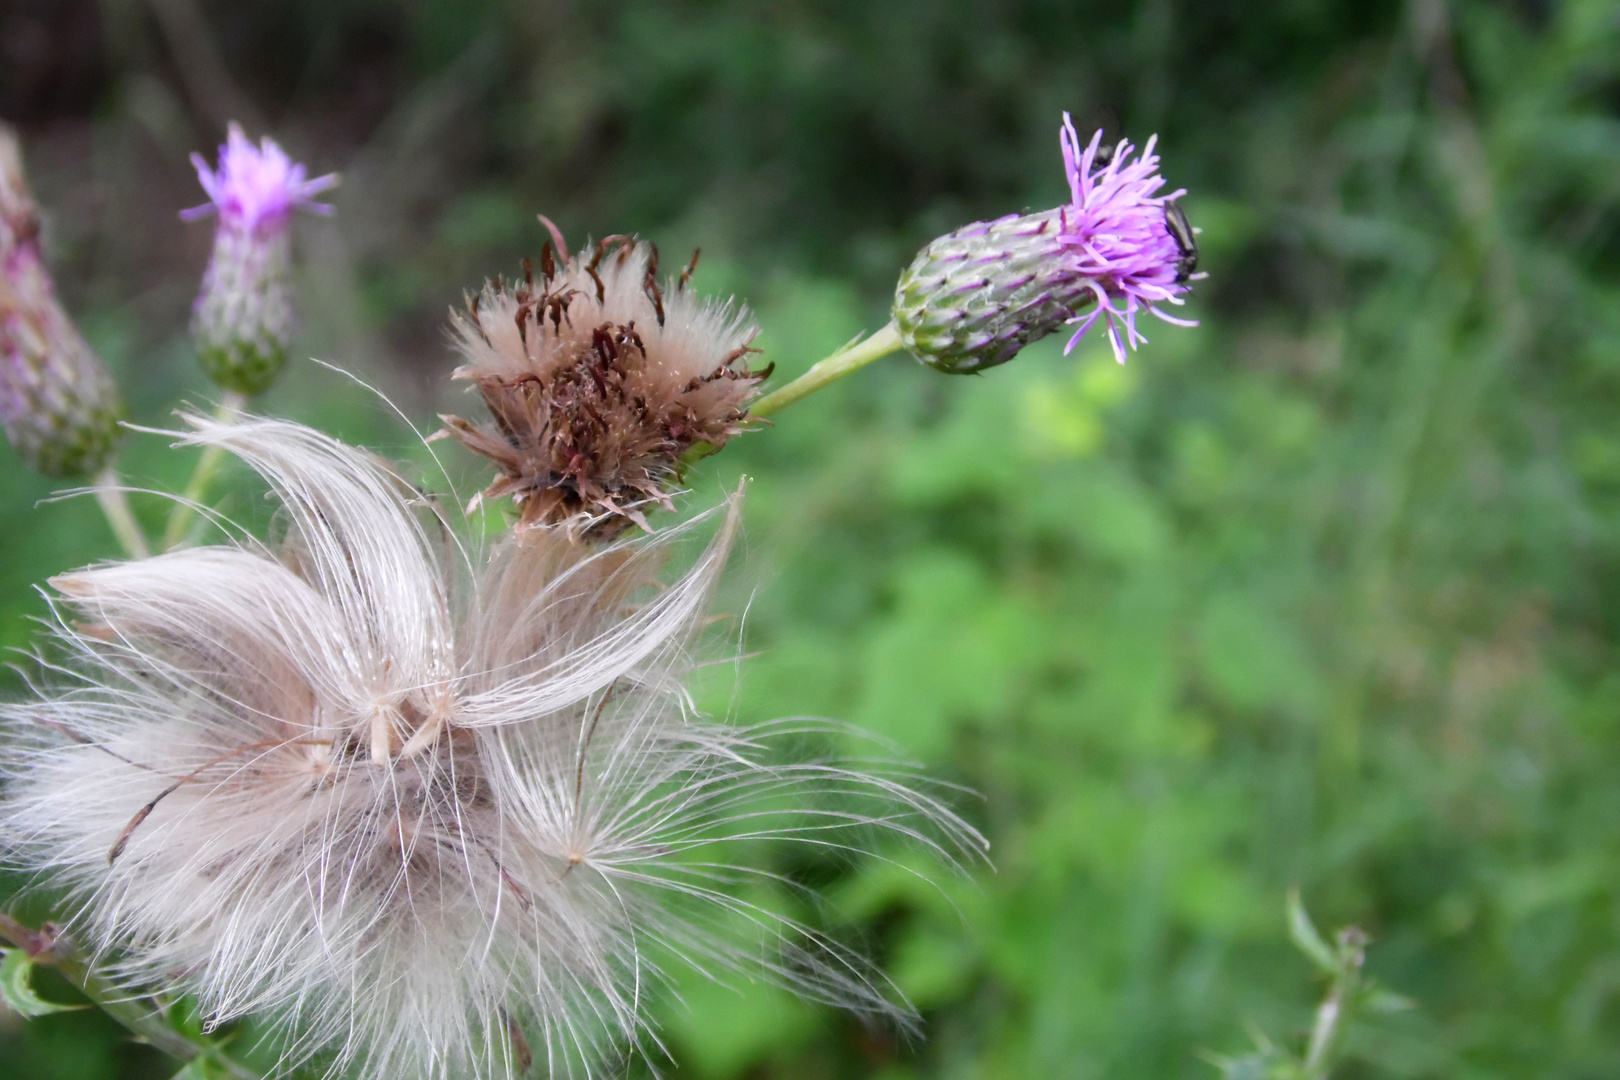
[
  {"x": 602, "y": 341},
  {"x": 556, "y": 304},
  {"x": 650, "y": 287},
  {"x": 603, "y": 244},
  {"x": 524, "y": 308},
  {"x": 737, "y": 354},
  {"x": 520, "y": 1045}
]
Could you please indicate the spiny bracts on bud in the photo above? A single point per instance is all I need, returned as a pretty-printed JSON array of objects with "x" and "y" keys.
[
  {"x": 243, "y": 319},
  {"x": 425, "y": 808},
  {"x": 598, "y": 378},
  {"x": 973, "y": 298},
  {"x": 58, "y": 403}
]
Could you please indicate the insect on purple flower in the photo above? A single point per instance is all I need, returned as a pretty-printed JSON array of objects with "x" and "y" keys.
[
  {"x": 1135, "y": 249},
  {"x": 975, "y": 297}
]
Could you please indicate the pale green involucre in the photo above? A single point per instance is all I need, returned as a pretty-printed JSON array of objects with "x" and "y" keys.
[
  {"x": 58, "y": 403},
  {"x": 973, "y": 298},
  {"x": 243, "y": 320}
]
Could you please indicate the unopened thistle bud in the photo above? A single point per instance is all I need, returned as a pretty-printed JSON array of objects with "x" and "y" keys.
[
  {"x": 243, "y": 318},
  {"x": 973, "y": 298},
  {"x": 598, "y": 379},
  {"x": 58, "y": 403}
]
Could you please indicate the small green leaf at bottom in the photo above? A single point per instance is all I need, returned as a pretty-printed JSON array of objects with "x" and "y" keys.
[{"x": 17, "y": 989}]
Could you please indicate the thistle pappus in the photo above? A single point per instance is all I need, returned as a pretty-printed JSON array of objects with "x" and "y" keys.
[{"x": 423, "y": 808}]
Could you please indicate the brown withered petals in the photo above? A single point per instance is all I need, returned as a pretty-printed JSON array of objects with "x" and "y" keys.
[{"x": 598, "y": 379}]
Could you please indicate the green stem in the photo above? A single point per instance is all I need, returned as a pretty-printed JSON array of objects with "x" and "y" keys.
[
  {"x": 833, "y": 368},
  {"x": 146, "y": 1023},
  {"x": 115, "y": 507},
  {"x": 1324, "y": 1035},
  {"x": 1327, "y": 1034},
  {"x": 180, "y": 518}
]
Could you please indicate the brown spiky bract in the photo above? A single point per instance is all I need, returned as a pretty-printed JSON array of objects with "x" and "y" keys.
[{"x": 598, "y": 378}]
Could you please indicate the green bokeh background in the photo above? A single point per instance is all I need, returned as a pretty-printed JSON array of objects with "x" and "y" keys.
[{"x": 1323, "y": 592}]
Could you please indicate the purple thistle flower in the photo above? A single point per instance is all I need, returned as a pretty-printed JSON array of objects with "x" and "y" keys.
[
  {"x": 243, "y": 319},
  {"x": 973, "y": 298},
  {"x": 1118, "y": 235},
  {"x": 255, "y": 188}
]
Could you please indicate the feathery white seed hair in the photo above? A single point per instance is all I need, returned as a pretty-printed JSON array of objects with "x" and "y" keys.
[{"x": 407, "y": 802}]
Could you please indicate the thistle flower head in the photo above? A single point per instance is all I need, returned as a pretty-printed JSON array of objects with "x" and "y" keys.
[
  {"x": 975, "y": 297},
  {"x": 256, "y": 188},
  {"x": 243, "y": 318},
  {"x": 1132, "y": 247},
  {"x": 598, "y": 378},
  {"x": 426, "y": 809},
  {"x": 58, "y": 403}
]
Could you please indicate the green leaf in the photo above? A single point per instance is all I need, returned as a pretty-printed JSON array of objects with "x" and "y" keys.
[
  {"x": 1304, "y": 935},
  {"x": 202, "y": 1067},
  {"x": 1375, "y": 999},
  {"x": 16, "y": 987}
]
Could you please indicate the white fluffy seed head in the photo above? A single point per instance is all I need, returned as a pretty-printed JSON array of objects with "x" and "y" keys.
[{"x": 426, "y": 811}]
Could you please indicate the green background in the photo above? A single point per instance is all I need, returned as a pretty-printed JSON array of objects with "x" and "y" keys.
[{"x": 1321, "y": 593}]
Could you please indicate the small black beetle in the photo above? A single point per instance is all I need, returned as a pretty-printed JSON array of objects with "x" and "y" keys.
[{"x": 1181, "y": 231}]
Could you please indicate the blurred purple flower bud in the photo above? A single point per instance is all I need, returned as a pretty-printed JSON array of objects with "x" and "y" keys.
[
  {"x": 58, "y": 403},
  {"x": 243, "y": 318},
  {"x": 973, "y": 298}
]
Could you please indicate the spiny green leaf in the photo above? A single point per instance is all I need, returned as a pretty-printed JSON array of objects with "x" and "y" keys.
[
  {"x": 1304, "y": 934},
  {"x": 16, "y": 986}
]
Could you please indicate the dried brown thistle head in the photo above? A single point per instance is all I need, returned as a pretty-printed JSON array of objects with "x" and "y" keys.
[{"x": 598, "y": 378}]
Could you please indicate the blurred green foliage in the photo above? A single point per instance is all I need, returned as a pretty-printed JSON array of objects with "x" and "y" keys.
[{"x": 1322, "y": 593}]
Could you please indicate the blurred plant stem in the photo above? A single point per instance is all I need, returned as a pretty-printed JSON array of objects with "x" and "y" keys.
[
  {"x": 1348, "y": 995},
  {"x": 185, "y": 510},
  {"x": 110, "y": 494},
  {"x": 147, "y": 1023},
  {"x": 830, "y": 370},
  {"x": 1327, "y": 1033}
]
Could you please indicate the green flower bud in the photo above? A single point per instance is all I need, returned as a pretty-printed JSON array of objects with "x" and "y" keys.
[
  {"x": 243, "y": 319},
  {"x": 58, "y": 403},
  {"x": 974, "y": 297}
]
